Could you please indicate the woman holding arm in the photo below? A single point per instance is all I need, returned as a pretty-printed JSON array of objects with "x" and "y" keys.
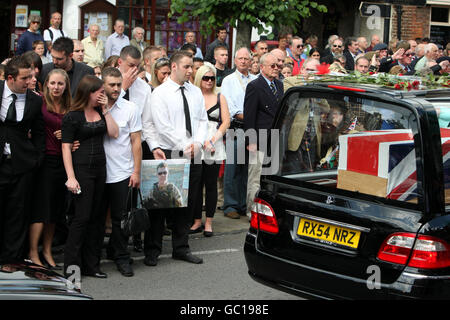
[
  {"x": 88, "y": 121},
  {"x": 50, "y": 189},
  {"x": 214, "y": 149}
]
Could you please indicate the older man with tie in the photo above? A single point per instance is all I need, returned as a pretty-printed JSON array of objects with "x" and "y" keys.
[{"x": 181, "y": 121}]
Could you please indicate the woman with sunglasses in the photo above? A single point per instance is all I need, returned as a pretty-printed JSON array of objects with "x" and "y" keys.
[
  {"x": 214, "y": 149},
  {"x": 160, "y": 72}
]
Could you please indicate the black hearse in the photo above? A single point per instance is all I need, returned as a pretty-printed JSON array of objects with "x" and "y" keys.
[{"x": 358, "y": 206}]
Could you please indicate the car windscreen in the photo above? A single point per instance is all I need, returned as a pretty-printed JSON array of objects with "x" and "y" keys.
[
  {"x": 350, "y": 143},
  {"x": 443, "y": 112}
]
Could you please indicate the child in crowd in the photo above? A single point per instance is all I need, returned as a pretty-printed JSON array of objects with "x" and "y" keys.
[{"x": 38, "y": 47}]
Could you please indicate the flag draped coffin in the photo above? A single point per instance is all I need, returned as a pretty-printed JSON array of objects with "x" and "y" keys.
[{"x": 383, "y": 163}]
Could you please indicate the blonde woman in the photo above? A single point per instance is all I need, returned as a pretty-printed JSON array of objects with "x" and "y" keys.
[
  {"x": 160, "y": 72},
  {"x": 214, "y": 149},
  {"x": 51, "y": 177}
]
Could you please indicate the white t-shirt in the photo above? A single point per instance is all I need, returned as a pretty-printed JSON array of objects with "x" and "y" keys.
[
  {"x": 119, "y": 154},
  {"x": 56, "y": 34}
]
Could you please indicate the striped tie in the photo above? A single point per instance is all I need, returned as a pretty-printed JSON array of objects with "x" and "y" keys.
[{"x": 273, "y": 88}]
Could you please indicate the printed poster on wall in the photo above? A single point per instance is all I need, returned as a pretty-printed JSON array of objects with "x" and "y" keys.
[{"x": 21, "y": 16}]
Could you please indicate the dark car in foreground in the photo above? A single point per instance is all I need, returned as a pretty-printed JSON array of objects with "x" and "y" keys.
[
  {"x": 358, "y": 207},
  {"x": 27, "y": 281}
]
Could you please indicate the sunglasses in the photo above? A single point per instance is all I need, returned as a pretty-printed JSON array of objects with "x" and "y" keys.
[
  {"x": 37, "y": 22},
  {"x": 273, "y": 66},
  {"x": 409, "y": 54},
  {"x": 208, "y": 78},
  {"x": 336, "y": 46},
  {"x": 162, "y": 173},
  {"x": 300, "y": 46}
]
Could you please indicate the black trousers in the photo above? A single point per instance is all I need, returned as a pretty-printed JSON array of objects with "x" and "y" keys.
[
  {"x": 181, "y": 219},
  {"x": 210, "y": 173},
  {"x": 119, "y": 200},
  {"x": 15, "y": 198},
  {"x": 87, "y": 228}
]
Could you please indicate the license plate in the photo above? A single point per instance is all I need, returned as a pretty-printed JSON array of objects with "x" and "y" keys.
[{"x": 329, "y": 233}]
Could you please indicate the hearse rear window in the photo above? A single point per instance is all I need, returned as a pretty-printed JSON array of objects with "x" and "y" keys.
[
  {"x": 443, "y": 112},
  {"x": 350, "y": 143}
]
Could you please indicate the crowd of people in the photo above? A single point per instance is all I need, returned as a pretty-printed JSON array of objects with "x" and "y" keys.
[{"x": 78, "y": 117}]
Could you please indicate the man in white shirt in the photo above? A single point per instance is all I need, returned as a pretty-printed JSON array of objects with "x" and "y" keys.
[
  {"x": 136, "y": 90},
  {"x": 123, "y": 163},
  {"x": 117, "y": 40},
  {"x": 179, "y": 114},
  {"x": 235, "y": 175},
  {"x": 53, "y": 32}
]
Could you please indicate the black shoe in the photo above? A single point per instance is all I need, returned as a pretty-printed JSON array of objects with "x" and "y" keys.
[
  {"x": 150, "y": 261},
  {"x": 208, "y": 233},
  {"x": 48, "y": 265},
  {"x": 125, "y": 269},
  {"x": 198, "y": 230},
  {"x": 98, "y": 274},
  {"x": 188, "y": 257}
]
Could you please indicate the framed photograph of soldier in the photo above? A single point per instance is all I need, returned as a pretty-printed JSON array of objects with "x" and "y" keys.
[{"x": 165, "y": 183}]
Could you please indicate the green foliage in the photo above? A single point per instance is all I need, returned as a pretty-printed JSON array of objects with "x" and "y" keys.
[{"x": 257, "y": 13}]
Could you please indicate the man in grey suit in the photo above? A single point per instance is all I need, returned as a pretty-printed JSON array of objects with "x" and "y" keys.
[{"x": 62, "y": 55}]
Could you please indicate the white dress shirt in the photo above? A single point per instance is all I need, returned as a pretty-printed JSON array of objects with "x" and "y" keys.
[
  {"x": 233, "y": 88},
  {"x": 140, "y": 94},
  {"x": 20, "y": 108},
  {"x": 119, "y": 154},
  {"x": 168, "y": 115}
]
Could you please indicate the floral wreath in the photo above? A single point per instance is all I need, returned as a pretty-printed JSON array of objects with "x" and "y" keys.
[{"x": 397, "y": 82}]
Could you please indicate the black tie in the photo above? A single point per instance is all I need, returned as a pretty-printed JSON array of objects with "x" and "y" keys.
[
  {"x": 12, "y": 115},
  {"x": 186, "y": 112},
  {"x": 127, "y": 95}
]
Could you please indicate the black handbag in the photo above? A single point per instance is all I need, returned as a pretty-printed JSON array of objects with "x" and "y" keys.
[{"x": 134, "y": 220}]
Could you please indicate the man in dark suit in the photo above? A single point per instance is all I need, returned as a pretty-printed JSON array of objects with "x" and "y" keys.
[
  {"x": 350, "y": 53},
  {"x": 262, "y": 99},
  {"x": 22, "y": 147},
  {"x": 62, "y": 55}
]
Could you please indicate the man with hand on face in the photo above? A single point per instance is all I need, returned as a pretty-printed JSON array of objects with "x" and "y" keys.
[
  {"x": 136, "y": 90},
  {"x": 62, "y": 55},
  {"x": 123, "y": 164},
  {"x": 182, "y": 124}
]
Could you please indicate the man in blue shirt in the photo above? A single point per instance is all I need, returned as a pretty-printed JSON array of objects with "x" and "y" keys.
[
  {"x": 26, "y": 40},
  {"x": 117, "y": 40}
]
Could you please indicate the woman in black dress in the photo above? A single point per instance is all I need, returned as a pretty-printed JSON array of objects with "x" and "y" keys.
[{"x": 87, "y": 122}]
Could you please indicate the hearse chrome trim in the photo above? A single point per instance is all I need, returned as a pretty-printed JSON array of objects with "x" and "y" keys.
[{"x": 335, "y": 223}]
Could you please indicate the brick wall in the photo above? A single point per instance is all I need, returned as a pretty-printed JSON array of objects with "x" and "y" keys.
[{"x": 415, "y": 22}]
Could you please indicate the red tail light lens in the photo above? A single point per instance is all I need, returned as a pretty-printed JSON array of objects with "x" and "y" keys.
[
  {"x": 263, "y": 217},
  {"x": 428, "y": 252}
]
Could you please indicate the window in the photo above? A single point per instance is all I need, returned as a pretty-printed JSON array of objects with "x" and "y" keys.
[
  {"x": 153, "y": 17},
  {"x": 352, "y": 144},
  {"x": 440, "y": 14},
  {"x": 443, "y": 112}
]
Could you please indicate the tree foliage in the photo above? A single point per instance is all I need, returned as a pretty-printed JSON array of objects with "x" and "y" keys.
[{"x": 257, "y": 13}]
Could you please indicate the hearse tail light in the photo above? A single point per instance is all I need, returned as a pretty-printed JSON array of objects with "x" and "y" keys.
[
  {"x": 428, "y": 252},
  {"x": 263, "y": 217}
]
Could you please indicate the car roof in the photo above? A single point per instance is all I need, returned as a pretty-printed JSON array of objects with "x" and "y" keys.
[{"x": 422, "y": 92}]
